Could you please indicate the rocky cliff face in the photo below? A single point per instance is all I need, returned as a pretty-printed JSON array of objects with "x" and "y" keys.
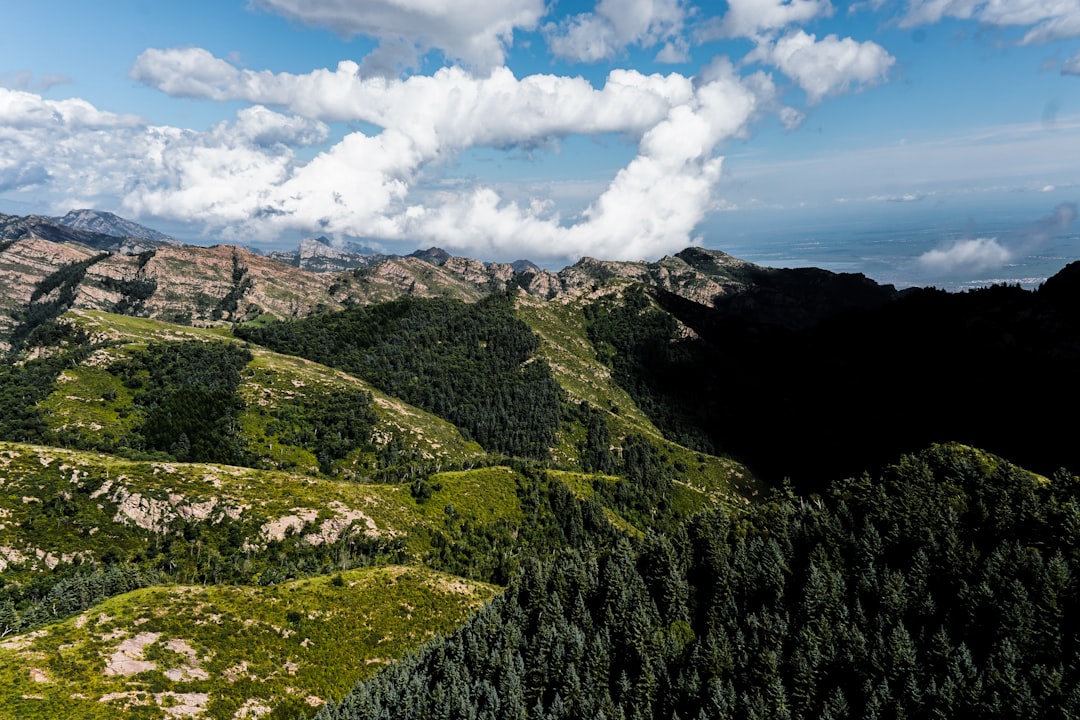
[
  {"x": 229, "y": 283},
  {"x": 320, "y": 255}
]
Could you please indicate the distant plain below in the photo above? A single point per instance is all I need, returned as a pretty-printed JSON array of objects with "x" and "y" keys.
[{"x": 1010, "y": 249}]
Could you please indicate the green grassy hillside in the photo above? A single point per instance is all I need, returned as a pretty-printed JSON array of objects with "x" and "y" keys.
[
  {"x": 67, "y": 515},
  {"x": 588, "y": 382},
  {"x": 217, "y": 651},
  {"x": 280, "y": 399}
]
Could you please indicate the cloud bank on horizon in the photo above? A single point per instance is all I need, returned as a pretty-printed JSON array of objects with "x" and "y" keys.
[{"x": 381, "y": 146}]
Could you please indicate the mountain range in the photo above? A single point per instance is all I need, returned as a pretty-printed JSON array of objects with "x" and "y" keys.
[
  {"x": 236, "y": 484},
  {"x": 196, "y": 283}
]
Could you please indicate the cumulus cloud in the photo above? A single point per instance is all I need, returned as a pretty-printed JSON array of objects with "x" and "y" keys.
[
  {"x": 617, "y": 24},
  {"x": 829, "y": 66},
  {"x": 475, "y": 32},
  {"x": 247, "y": 180},
  {"x": 68, "y": 146},
  {"x": 188, "y": 72},
  {"x": 363, "y": 184},
  {"x": 259, "y": 126},
  {"x": 1048, "y": 19},
  {"x": 977, "y": 255},
  {"x": 20, "y": 109},
  {"x": 452, "y": 107},
  {"x": 759, "y": 18},
  {"x": 966, "y": 257},
  {"x": 366, "y": 184},
  {"x": 651, "y": 206},
  {"x": 77, "y": 150}
]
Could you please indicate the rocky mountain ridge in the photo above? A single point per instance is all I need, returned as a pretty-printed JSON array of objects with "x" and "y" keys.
[
  {"x": 107, "y": 223},
  {"x": 162, "y": 279},
  {"x": 84, "y": 227}
]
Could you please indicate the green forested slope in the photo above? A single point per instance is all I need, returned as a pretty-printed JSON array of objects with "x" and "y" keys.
[
  {"x": 945, "y": 588},
  {"x": 605, "y": 414},
  {"x": 471, "y": 364},
  {"x": 148, "y": 389}
]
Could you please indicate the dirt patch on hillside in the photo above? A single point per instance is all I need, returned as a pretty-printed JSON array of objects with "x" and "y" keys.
[
  {"x": 128, "y": 658},
  {"x": 253, "y": 708},
  {"x": 277, "y": 529},
  {"x": 174, "y": 705}
]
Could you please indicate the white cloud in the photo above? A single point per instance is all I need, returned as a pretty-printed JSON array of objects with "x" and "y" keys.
[
  {"x": 218, "y": 183},
  {"x": 188, "y": 72},
  {"x": 791, "y": 118},
  {"x": 651, "y": 207},
  {"x": 259, "y": 126},
  {"x": 758, "y": 18},
  {"x": 245, "y": 180},
  {"x": 674, "y": 51},
  {"x": 68, "y": 146},
  {"x": 1049, "y": 19},
  {"x": 827, "y": 67},
  {"x": 363, "y": 184},
  {"x": 19, "y": 109},
  {"x": 966, "y": 257},
  {"x": 475, "y": 32},
  {"x": 981, "y": 254},
  {"x": 449, "y": 108},
  {"x": 77, "y": 150},
  {"x": 617, "y": 24}
]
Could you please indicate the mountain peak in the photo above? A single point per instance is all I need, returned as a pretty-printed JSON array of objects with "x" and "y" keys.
[
  {"x": 710, "y": 260},
  {"x": 433, "y": 255},
  {"x": 107, "y": 223},
  {"x": 319, "y": 247}
]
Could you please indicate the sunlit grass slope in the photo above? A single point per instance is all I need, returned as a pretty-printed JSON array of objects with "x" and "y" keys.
[
  {"x": 214, "y": 651},
  {"x": 561, "y": 326}
]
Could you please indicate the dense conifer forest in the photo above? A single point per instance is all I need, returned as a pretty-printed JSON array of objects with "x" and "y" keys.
[
  {"x": 946, "y": 587},
  {"x": 464, "y": 362}
]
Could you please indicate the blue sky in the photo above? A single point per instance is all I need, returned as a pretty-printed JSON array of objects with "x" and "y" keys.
[{"x": 500, "y": 129}]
